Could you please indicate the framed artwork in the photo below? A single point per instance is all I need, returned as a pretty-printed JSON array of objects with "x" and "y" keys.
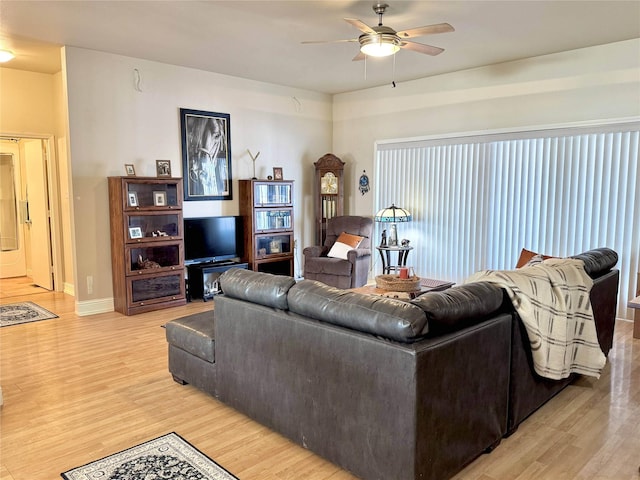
[
  {"x": 163, "y": 168},
  {"x": 206, "y": 155},
  {"x": 130, "y": 169},
  {"x": 160, "y": 199},
  {"x": 135, "y": 232},
  {"x": 277, "y": 173},
  {"x": 133, "y": 199}
]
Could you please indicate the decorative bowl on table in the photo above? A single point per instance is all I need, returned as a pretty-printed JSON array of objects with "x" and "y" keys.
[{"x": 397, "y": 284}]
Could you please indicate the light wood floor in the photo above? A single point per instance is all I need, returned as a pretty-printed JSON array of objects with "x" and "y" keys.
[{"x": 80, "y": 388}]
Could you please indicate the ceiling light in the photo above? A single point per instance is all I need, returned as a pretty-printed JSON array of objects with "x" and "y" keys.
[
  {"x": 379, "y": 45},
  {"x": 6, "y": 55}
]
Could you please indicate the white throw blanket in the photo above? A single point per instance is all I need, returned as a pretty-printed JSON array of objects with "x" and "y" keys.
[{"x": 552, "y": 299}]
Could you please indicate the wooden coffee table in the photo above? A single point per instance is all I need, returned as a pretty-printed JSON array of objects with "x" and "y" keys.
[{"x": 426, "y": 285}]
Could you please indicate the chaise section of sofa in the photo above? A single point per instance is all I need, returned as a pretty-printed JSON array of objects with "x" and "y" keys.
[{"x": 528, "y": 390}]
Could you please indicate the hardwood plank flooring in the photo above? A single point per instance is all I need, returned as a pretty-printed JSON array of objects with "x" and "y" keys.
[{"x": 80, "y": 388}]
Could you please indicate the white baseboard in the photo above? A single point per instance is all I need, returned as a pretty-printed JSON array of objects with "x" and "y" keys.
[
  {"x": 69, "y": 289},
  {"x": 92, "y": 307}
]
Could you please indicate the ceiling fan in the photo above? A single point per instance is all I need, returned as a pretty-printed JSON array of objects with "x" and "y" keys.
[{"x": 382, "y": 41}]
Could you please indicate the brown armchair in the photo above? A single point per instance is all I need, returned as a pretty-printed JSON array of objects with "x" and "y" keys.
[{"x": 341, "y": 273}]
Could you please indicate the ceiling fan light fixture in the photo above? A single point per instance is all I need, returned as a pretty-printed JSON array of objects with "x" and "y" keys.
[
  {"x": 6, "y": 55},
  {"x": 379, "y": 45}
]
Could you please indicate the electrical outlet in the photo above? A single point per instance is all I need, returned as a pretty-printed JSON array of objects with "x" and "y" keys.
[{"x": 89, "y": 284}]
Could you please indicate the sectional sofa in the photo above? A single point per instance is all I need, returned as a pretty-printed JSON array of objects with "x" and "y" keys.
[{"x": 384, "y": 388}]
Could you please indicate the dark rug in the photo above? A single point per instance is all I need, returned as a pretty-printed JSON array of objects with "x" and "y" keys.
[
  {"x": 167, "y": 457},
  {"x": 23, "y": 312}
]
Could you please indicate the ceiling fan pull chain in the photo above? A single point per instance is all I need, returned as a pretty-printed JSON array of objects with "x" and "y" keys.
[{"x": 393, "y": 73}]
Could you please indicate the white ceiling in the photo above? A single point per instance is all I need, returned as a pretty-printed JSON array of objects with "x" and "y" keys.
[{"x": 261, "y": 39}]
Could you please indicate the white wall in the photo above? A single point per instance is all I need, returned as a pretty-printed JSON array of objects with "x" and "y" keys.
[
  {"x": 111, "y": 123},
  {"x": 31, "y": 104},
  {"x": 26, "y": 102},
  {"x": 583, "y": 85}
]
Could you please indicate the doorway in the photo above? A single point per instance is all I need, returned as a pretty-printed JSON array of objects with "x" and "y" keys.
[{"x": 26, "y": 253}]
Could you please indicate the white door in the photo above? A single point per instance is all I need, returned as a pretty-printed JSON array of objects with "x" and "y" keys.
[
  {"x": 12, "y": 248},
  {"x": 39, "y": 227}
]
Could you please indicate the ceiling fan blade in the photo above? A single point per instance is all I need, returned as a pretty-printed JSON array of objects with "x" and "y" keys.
[
  {"x": 426, "y": 30},
  {"x": 358, "y": 57},
  {"x": 422, "y": 48},
  {"x": 330, "y": 41},
  {"x": 363, "y": 27}
]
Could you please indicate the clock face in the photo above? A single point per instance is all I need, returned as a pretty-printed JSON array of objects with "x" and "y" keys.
[{"x": 329, "y": 183}]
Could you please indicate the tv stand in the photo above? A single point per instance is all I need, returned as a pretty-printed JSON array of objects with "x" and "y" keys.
[{"x": 203, "y": 278}]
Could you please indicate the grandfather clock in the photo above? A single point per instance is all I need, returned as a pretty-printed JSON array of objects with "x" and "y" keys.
[{"x": 329, "y": 192}]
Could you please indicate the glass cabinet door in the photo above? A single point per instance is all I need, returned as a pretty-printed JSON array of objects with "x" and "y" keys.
[
  {"x": 152, "y": 258},
  {"x": 152, "y": 226},
  {"x": 273, "y": 245},
  {"x": 273, "y": 220},
  {"x": 151, "y": 195},
  {"x": 272, "y": 194},
  {"x": 144, "y": 290}
]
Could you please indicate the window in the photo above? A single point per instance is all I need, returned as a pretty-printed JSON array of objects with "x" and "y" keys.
[{"x": 477, "y": 201}]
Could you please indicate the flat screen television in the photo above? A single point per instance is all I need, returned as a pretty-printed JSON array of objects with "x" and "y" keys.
[{"x": 212, "y": 239}]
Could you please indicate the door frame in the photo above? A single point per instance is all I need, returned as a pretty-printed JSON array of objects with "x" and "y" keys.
[{"x": 53, "y": 187}]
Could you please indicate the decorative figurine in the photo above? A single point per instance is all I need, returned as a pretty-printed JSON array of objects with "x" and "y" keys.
[
  {"x": 363, "y": 184},
  {"x": 146, "y": 264},
  {"x": 383, "y": 242},
  {"x": 253, "y": 159},
  {"x": 404, "y": 242}
]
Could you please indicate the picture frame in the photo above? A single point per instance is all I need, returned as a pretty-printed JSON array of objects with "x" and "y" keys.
[
  {"x": 160, "y": 199},
  {"x": 135, "y": 232},
  {"x": 130, "y": 169},
  {"x": 206, "y": 155},
  {"x": 133, "y": 199},
  {"x": 277, "y": 173},
  {"x": 163, "y": 168}
]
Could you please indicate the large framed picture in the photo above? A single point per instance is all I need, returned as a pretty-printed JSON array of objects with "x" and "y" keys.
[{"x": 206, "y": 155}]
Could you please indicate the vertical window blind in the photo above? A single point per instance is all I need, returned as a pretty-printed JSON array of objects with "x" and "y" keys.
[{"x": 477, "y": 201}]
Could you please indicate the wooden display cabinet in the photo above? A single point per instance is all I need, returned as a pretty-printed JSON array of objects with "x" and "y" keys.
[
  {"x": 147, "y": 251},
  {"x": 266, "y": 208},
  {"x": 329, "y": 193}
]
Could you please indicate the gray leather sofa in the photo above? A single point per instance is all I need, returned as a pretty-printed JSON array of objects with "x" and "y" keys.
[{"x": 383, "y": 388}]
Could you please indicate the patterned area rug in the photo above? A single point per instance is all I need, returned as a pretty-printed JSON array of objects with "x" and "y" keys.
[
  {"x": 23, "y": 312},
  {"x": 166, "y": 457}
]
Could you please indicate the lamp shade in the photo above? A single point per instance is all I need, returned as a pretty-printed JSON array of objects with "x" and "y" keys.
[
  {"x": 393, "y": 214},
  {"x": 379, "y": 45}
]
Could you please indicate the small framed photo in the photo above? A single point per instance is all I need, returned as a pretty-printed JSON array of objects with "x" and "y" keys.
[
  {"x": 277, "y": 173},
  {"x": 133, "y": 199},
  {"x": 130, "y": 169},
  {"x": 163, "y": 168},
  {"x": 160, "y": 199},
  {"x": 135, "y": 232}
]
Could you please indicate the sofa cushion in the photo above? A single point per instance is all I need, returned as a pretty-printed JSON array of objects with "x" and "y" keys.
[
  {"x": 386, "y": 317},
  {"x": 598, "y": 260},
  {"x": 193, "y": 334},
  {"x": 343, "y": 244},
  {"x": 460, "y": 306},
  {"x": 527, "y": 255},
  {"x": 327, "y": 265},
  {"x": 257, "y": 287}
]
